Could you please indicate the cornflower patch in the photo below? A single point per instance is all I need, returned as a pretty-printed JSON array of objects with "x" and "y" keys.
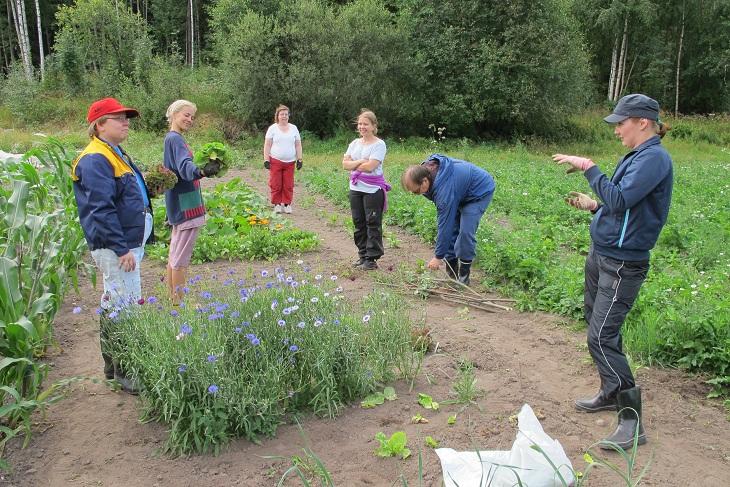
[{"x": 242, "y": 369}]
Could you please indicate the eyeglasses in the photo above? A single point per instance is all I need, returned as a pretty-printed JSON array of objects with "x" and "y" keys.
[{"x": 120, "y": 118}]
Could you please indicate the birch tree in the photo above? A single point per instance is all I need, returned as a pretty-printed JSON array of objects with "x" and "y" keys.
[
  {"x": 41, "y": 54},
  {"x": 20, "y": 22}
]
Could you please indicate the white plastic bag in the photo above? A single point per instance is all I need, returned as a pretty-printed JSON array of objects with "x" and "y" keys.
[{"x": 502, "y": 468}]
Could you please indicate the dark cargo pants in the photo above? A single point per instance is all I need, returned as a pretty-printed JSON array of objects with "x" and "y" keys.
[
  {"x": 611, "y": 287},
  {"x": 367, "y": 216}
]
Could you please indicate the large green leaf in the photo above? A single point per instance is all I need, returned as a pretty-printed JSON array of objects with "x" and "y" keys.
[
  {"x": 9, "y": 284},
  {"x": 15, "y": 212},
  {"x": 8, "y": 361},
  {"x": 44, "y": 305}
]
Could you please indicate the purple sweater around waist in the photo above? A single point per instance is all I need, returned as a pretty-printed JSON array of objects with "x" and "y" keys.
[{"x": 378, "y": 181}]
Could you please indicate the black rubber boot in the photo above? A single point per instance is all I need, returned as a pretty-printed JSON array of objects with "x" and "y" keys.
[
  {"x": 629, "y": 421},
  {"x": 104, "y": 325},
  {"x": 452, "y": 267},
  {"x": 369, "y": 265},
  {"x": 358, "y": 262},
  {"x": 599, "y": 402},
  {"x": 464, "y": 271}
]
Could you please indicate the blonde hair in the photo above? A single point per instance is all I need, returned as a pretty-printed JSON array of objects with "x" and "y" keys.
[
  {"x": 176, "y": 106},
  {"x": 280, "y": 108},
  {"x": 661, "y": 128},
  {"x": 92, "y": 130},
  {"x": 368, "y": 114}
]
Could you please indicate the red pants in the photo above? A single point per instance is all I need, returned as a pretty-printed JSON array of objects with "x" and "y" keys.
[{"x": 281, "y": 182}]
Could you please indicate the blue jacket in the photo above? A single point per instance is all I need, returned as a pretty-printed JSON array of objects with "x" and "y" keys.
[
  {"x": 109, "y": 199},
  {"x": 457, "y": 183},
  {"x": 635, "y": 202}
]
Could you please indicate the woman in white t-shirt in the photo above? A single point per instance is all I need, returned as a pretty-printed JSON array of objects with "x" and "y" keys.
[
  {"x": 364, "y": 159},
  {"x": 282, "y": 149}
]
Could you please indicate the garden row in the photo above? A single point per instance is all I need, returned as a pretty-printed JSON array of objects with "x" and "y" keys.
[{"x": 532, "y": 245}]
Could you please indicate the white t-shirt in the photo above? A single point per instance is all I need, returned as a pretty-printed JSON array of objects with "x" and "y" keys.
[
  {"x": 283, "y": 148},
  {"x": 376, "y": 150}
]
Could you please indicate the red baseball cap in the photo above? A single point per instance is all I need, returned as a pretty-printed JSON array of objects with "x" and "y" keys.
[{"x": 107, "y": 106}]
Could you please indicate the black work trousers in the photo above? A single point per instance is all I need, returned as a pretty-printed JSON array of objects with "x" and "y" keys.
[
  {"x": 367, "y": 215},
  {"x": 611, "y": 287}
]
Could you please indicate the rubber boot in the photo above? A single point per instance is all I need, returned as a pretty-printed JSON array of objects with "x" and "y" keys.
[
  {"x": 452, "y": 268},
  {"x": 464, "y": 271},
  {"x": 599, "y": 402},
  {"x": 104, "y": 326},
  {"x": 629, "y": 421}
]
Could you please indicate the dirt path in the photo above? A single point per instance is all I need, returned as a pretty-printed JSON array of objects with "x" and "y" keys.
[{"x": 93, "y": 437}]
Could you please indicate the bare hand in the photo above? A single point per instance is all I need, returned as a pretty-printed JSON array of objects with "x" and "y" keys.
[
  {"x": 127, "y": 262},
  {"x": 577, "y": 163},
  {"x": 434, "y": 264},
  {"x": 581, "y": 201}
]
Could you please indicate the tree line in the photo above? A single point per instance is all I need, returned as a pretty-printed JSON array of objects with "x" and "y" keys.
[{"x": 471, "y": 67}]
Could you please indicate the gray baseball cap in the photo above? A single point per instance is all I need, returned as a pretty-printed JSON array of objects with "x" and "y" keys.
[{"x": 636, "y": 105}]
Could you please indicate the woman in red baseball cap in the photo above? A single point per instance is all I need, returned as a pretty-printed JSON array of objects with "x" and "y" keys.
[{"x": 115, "y": 214}]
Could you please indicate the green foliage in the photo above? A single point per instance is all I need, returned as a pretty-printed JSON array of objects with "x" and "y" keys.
[
  {"x": 239, "y": 225},
  {"x": 395, "y": 446},
  {"x": 214, "y": 151},
  {"x": 103, "y": 35},
  {"x": 41, "y": 246},
  {"x": 427, "y": 401},
  {"x": 377, "y": 398},
  {"x": 251, "y": 351}
]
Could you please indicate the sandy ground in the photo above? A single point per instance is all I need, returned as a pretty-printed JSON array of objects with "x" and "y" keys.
[{"x": 94, "y": 438}]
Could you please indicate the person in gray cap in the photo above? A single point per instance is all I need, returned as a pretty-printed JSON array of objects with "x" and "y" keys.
[{"x": 630, "y": 210}]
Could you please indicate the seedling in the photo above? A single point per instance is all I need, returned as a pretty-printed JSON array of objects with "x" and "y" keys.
[
  {"x": 427, "y": 402},
  {"x": 431, "y": 443},
  {"x": 418, "y": 419},
  {"x": 452, "y": 420},
  {"x": 395, "y": 446},
  {"x": 378, "y": 398},
  {"x": 389, "y": 394}
]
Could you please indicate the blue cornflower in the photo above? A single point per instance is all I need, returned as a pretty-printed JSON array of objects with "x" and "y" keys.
[
  {"x": 274, "y": 304},
  {"x": 152, "y": 300},
  {"x": 307, "y": 269},
  {"x": 264, "y": 273},
  {"x": 333, "y": 277},
  {"x": 183, "y": 368},
  {"x": 366, "y": 318},
  {"x": 336, "y": 321},
  {"x": 238, "y": 329},
  {"x": 235, "y": 314},
  {"x": 231, "y": 272},
  {"x": 285, "y": 341},
  {"x": 250, "y": 336},
  {"x": 301, "y": 324},
  {"x": 281, "y": 323},
  {"x": 212, "y": 358},
  {"x": 244, "y": 299},
  {"x": 215, "y": 316},
  {"x": 220, "y": 307},
  {"x": 318, "y": 323},
  {"x": 269, "y": 285},
  {"x": 228, "y": 282},
  {"x": 186, "y": 289},
  {"x": 294, "y": 284},
  {"x": 76, "y": 310},
  {"x": 291, "y": 299},
  {"x": 186, "y": 329},
  {"x": 206, "y": 295},
  {"x": 246, "y": 323},
  {"x": 99, "y": 311},
  {"x": 293, "y": 348},
  {"x": 113, "y": 314},
  {"x": 255, "y": 342},
  {"x": 286, "y": 311},
  {"x": 315, "y": 299},
  {"x": 174, "y": 313},
  {"x": 213, "y": 389},
  {"x": 289, "y": 278}
]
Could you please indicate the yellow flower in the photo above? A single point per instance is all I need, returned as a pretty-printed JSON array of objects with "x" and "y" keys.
[{"x": 264, "y": 221}]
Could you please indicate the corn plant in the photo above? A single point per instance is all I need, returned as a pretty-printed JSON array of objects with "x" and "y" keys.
[{"x": 41, "y": 246}]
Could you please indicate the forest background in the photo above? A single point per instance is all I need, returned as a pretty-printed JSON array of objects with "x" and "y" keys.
[{"x": 457, "y": 68}]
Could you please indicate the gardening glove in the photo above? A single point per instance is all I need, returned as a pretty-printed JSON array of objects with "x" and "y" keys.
[
  {"x": 211, "y": 169},
  {"x": 581, "y": 201},
  {"x": 267, "y": 165},
  {"x": 576, "y": 163},
  {"x": 299, "y": 164}
]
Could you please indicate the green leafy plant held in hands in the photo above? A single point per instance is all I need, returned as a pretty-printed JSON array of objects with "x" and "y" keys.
[{"x": 214, "y": 152}]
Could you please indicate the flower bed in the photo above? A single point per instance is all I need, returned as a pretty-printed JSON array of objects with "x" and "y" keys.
[
  {"x": 244, "y": 353},
  {"x": 239, "y": 225}
]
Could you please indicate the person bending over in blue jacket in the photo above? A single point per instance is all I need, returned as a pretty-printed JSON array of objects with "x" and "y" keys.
[
  {"x": 631, "y": 210},
  {"x": 461, "y": 192}
]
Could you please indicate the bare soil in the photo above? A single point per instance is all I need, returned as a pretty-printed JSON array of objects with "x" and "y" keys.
[{"x": 94, "y": 438}]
